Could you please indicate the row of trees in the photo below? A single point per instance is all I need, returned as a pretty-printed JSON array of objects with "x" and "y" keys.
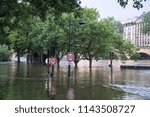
[
  {"x": 26, "y": 32},
  {"x": 16, "y": 9}
]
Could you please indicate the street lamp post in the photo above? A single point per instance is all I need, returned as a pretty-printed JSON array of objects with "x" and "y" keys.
[
  {"x": 111, "y": 65},
  {"x": 48, "y": 65},
  {"x": 82, "y": 22},
  {"x": 69, "y": 49}
]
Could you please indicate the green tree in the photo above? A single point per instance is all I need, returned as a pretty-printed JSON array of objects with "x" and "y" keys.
[
  {"x": 118, "y": 27},
  {"x": 90, "y": 38},
  {"x": 94, "y": 36},
  {"x": 71, "y": 24},
  {"x": 36, "y": 26},
  {"x": 97, "y": 38},
  {"x": 20, "y": 31},
  {"x": 35, "y": 40},
  {"x": 77, "y": 31},
  {"x": 123, "y": 49},
  {"x": 11, "y": 11},
  {"x": 17, "y": 43},
  {"x": 45, "y": 35},
  {"x": 54, "y": 38},
  {"x": 35, "y": 36},
  {"x": 13, "y": 8},
  {"x": 96, "y": 41},
  {"x": 4, "y": 53},
  {"x": 100, "y": 37}
]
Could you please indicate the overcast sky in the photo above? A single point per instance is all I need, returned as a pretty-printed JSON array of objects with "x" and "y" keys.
[{"x": 112, "y": 8}]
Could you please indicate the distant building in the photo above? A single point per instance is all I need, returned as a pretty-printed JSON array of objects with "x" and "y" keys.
[{"x": 133, "y": 32}]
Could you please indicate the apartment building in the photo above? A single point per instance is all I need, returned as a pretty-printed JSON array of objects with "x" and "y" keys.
[{"x": 133, "y": 32}]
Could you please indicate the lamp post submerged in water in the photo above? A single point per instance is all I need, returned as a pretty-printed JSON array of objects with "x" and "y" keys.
[
  {"x": 82, "y": 22},
  {"x": 111, "y": 65},
  {"x": 70, "y": 55}
]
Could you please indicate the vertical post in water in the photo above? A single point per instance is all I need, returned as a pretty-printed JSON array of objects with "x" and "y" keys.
[
  {"x": 52, "y": 55},
  {"x": 111, "y": 66},
  {"x": 69, "y": 49},
  {"x": 48, "y": 65}
]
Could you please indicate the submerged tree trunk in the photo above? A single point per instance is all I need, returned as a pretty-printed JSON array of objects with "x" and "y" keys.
[
  {"x": 76, "y": 64},
  {"x": 18, "y": 56},
  {"x": 77, "y": 59},
  {"x": 76, "y": 70},
  {"x": 90, "y": 62},
  {"x": 90, "y": 71},
  {"x": 31, "y": 57},
  {"x": 41, "y": 58},
  {"x": 59, "y": 58},
  {"x": 58, "y": 61},
  {"x": 28, "y": 56}
]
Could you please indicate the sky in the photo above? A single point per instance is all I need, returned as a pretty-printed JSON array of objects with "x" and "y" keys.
[{"x": 108, "y": 8}]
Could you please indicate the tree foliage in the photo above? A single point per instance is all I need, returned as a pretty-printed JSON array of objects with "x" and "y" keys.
[
  {"x": 136, "y": 3},
  {"x": 4, "y": 53},
  {"x": 97, "y": 38},
  {"x": 33, "y": 27},
  {"x": 12, "y": 10}
]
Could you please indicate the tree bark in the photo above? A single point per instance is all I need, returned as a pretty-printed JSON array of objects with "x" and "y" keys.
[
  {"x": 18, "y": 56},
  {"x": 76, "y": 61},
  {"x": 58, "y": 65},
  {"x": 76, "y": 71},
  {"x": 58, "y": 61},
  {"x": 76, "y": 64},
  {"x": 90, "y": 62},
  {"x": 41, "y": 58}
]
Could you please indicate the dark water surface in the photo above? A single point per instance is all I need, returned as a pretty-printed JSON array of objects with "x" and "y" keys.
[{"x": 30, "y": 82}]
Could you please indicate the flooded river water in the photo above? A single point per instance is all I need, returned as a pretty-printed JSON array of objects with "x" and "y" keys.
[{"x": 31, "y": 82}]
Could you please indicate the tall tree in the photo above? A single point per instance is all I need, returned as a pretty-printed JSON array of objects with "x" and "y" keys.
[
  {"x": 80, "y": 34},
  {"x": 96, "y": 38},
  {"x": 17, "y": 42},
  {"x": 12, "y": 9}
]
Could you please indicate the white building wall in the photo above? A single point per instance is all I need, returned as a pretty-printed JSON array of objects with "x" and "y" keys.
[{"x": 133, "y": 33}]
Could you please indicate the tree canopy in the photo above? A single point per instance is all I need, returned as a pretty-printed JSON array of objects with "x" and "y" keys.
[
  {"x": 12, "y": 10},
  {"x": 97, "y": 38},
  {"x": 33, "y": 27},
  {"x": 136, "y": 3}
]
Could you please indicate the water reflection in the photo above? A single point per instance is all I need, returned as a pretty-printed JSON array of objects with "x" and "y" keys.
[
  {"x": 51, "y": 88},
  {"x": 111, "y": 78},
  {"x": 23, "y": 81},
  {"x": 70, "y": 93},
  {"x": 50, "y": 83},
  {"x": 30, "y": 81}
]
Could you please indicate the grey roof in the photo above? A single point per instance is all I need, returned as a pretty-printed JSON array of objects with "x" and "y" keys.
[{"x": 143, "y": 15}]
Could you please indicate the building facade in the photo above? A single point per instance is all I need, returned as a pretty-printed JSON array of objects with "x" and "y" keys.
[{"x": 133, "y": 32}]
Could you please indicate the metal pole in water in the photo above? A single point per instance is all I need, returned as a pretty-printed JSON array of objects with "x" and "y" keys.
[
  {"x": 111, "y": 66},
  {"x": 48, "y": 65},
  {"x": 69, "y": 49}
]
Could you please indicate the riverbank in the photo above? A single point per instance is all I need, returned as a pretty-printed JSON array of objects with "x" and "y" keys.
[{"x": 136, "y": 65}]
